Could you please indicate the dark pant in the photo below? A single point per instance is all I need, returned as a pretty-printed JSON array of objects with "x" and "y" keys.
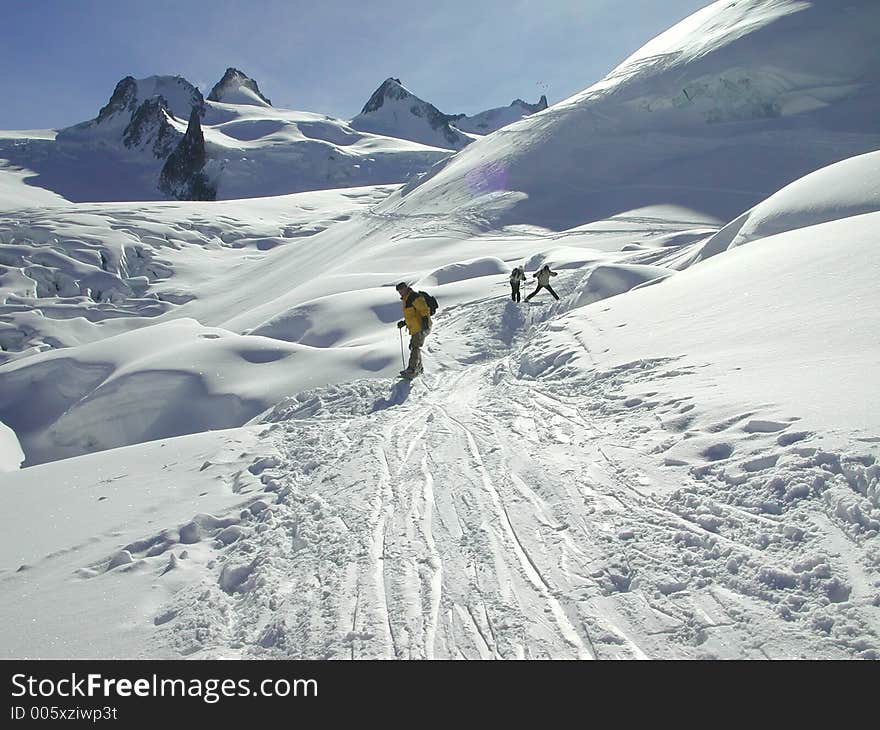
[
  {"x": 514, "y": 291},
  {"x": 543, "y": 286},
  {"x": 416, "y": 342}
]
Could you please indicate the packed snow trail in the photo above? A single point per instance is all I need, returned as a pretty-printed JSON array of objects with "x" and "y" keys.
[{"x": 482, "y": 513}]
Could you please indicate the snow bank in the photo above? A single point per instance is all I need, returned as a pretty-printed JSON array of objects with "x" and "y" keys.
[
  {"x": 847, "y": 188},
  {"x": 16, "y": 192},
  {"x": 334, "y": 320},
  {"x": 791, "y": 321}
]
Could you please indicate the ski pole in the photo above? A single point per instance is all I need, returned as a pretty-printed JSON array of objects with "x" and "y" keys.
[{"x": 402, "y": 358}]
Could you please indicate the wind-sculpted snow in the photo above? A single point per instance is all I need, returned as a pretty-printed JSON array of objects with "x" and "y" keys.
[
  {"x": 165, "y": 380},
  {"x": 335, "y": 320}
]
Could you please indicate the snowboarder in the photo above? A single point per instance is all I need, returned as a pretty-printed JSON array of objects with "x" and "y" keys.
[
  {"x": 543, "y": 276},
  {"x": 517, "y": 277},
  {"x": 417, "y": 319}
]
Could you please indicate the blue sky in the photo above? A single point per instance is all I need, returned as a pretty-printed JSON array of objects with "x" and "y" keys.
[{"x": 60, "y": 59}]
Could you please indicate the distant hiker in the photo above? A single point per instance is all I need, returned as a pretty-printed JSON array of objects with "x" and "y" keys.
[
  {"x": 417, "y": 319},
  {"x": 517, "y": 277},
  {"x": 543, "y": 276}
]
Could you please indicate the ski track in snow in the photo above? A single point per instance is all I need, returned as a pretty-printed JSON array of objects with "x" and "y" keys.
[{"x": 496, "y": 515}]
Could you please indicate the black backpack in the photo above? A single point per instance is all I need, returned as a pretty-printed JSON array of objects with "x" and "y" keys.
[{"x": 429, "y": 300}]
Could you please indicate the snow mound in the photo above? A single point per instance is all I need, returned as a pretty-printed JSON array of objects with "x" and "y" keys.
[
  {"x": 609, "y": 280},
  {"x": 333, "y": 320},
  {"x": 847, "y": 188},
  {"x": 462, "y": 270}
]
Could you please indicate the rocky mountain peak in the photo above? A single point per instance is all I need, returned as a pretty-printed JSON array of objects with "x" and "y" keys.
[
  {"x": 236, "y": 87},
  {"x": 391, "y": 88},
  {"x": 394, "y": 111},
  {"x": 123, "y": 99}
]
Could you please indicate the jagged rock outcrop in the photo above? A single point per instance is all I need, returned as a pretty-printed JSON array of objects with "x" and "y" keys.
[
  {"x": 183, "y": 175},
  {"x": 124, "y": 98},
  {"x": 149, "y": 128},
  {"x": 236, "y": 87}
]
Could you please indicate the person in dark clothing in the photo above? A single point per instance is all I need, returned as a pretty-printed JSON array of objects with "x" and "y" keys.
[
  {"x": 517, "y": 277},
  {"x": 543, "y": 276}
]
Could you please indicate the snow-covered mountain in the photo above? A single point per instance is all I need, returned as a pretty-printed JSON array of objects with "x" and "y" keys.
[
  {"x": 251, "y": 148},
  {"x": 494, "y": 119},
  {"x": 395, "y": 111},
  {"x": 680, "y": 458},
  {"x": 139, "y": 118}
]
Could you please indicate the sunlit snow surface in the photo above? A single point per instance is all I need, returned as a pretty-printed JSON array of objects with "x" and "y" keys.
[{"x": 678, "y": 459}]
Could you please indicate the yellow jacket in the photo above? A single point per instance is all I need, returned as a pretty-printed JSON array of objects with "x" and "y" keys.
[{"x": 415, "y": 311}]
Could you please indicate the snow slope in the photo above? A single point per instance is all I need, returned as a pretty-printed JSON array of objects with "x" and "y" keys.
[
  {"x": 643, "y": 471},
  {"x": 713, "y": 116},
  {"x": 679, "y": 459}
]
